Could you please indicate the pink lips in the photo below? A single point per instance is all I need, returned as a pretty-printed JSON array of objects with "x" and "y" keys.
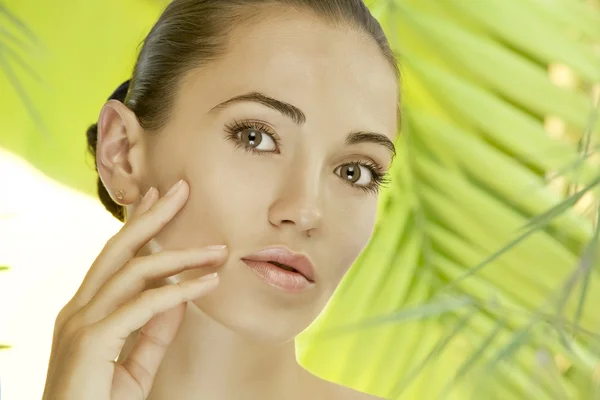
[{"x": 264, "y": 264}]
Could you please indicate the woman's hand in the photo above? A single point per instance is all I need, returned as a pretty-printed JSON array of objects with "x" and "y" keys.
[{"x": 111, "y": 303}]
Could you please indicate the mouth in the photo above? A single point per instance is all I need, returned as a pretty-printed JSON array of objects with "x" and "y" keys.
[{"x": 281, "y": 268}]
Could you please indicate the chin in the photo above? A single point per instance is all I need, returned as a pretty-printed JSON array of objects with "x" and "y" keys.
[{"x": 245, "y": 304}]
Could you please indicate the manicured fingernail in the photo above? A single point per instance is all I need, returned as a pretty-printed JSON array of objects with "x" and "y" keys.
[
  {"x": 147, "y": 193},
  {"x": 174, "y": 189},
  {"x": 146, "y": 202},
  {"x": 209, "y": 277},
  {"x": 217, "y": 247}
]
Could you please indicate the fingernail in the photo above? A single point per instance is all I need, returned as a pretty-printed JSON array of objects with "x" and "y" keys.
[
  {"x": 217, "y": 247},
  {"x": 147, "y": 193},
  {"x": 209, "y": 277},
  {"x": 174, "y": 189}
]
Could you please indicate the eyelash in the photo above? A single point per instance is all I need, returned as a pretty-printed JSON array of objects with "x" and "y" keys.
[
  {"x": 380, "y": 178},
  {"x": 238, "y": 126}
]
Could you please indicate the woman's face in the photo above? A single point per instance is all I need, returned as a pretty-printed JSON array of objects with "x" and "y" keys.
[{"x": 282, "y": 166}]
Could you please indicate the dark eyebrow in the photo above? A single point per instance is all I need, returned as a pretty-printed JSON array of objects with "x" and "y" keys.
[
  {"x": 285, "y": 108},
  {"x": 299, "y": 118},
  {"x": 371, "y": 137}
]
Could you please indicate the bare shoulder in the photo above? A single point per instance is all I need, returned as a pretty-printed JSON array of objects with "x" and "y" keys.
[
  {"x": 319, "y": 388},
  {"x": 339, "y": 392}
]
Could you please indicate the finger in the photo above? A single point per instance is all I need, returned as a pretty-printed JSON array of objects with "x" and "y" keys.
[
  {"x": 130, "y": 239},
  {"x": 151, "y": 345},
  {"x": 134, "y": 314},
  {"x": 147, "y": 201},
  {"x": 135, "y": 276}
]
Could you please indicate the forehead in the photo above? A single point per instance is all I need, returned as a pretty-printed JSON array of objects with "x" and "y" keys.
[{"x": 336, "y": 75}]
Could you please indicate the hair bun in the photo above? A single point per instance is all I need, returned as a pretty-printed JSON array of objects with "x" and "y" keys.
[
  {"x": 92, "y": 138},
  {"x": 121, "y": 92}
]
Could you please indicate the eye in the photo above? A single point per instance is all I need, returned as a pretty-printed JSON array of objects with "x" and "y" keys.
[
  {"x": 253, "y": 136},
  {"x": 356, "y": 174},
  {"x": 257, "y": 140},
  {"x": 365, "y": 176}
]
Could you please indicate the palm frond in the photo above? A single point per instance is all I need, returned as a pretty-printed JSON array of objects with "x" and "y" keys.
[{"x": 17, "y": 42}]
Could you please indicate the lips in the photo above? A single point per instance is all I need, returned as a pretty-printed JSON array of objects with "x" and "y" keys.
[{"x": 286, "y": 260}]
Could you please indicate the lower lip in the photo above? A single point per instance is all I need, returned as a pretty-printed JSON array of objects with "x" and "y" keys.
[{"x": 289, "y": 281}]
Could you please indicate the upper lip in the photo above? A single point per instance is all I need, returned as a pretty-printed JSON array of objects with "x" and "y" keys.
[{"x": 282, "y": 255}]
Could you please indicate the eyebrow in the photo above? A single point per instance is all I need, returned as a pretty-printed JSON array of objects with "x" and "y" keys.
[
  {"x": 371, "y": 137},
  {"x": 299, "y": 118},
  {"x": 286, "y": 109}
]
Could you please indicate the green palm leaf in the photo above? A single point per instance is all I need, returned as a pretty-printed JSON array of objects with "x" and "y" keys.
[{"x": 17, "y": 42}]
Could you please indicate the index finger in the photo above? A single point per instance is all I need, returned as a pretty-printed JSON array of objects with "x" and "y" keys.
[{"x": 131, "y": 238}]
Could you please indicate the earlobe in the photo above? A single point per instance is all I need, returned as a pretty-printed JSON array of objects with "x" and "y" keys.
[{"x": 118, "y": 133}]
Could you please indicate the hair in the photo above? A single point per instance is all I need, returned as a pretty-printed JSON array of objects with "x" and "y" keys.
[{"x": 192, "y": 33}]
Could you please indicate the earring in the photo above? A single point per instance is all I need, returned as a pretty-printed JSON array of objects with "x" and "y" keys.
[{"x": 120, "y": 194}]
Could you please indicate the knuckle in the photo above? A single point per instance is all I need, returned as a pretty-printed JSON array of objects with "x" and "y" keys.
[
  {"x": 69, "y": 329},
  {"x": 59, "y": 324},
  {"x": 84, "y": 338},
  {"x": 63, "y": 315},
  {"x": 136, "y": 270},
  {"x": 66, "y": 314},
  {"x": 74, "y": 325},
  {"x": 146, "y": 296},
  {"x": 134, "y": 265},
  {"x": 76, "y": 303}
]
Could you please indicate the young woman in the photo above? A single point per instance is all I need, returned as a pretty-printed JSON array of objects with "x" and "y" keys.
[{"x": 245, "y": 155}]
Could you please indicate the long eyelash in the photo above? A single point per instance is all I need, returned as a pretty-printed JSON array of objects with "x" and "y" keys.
[
  {"x": 380, "y": 179},
  {"x": 237, "y": 126}
]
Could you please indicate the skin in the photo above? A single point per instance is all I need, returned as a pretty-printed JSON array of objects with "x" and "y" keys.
[{"x": 234, "y": 339}]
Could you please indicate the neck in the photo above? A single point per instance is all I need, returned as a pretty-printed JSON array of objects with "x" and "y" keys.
[{"x": 210, "y": 359}]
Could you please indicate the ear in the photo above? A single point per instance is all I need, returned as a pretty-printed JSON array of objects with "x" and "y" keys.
[{"x": 119, "y": 152}]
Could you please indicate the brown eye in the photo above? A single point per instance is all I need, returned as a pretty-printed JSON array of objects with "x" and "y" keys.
[
  {"x": 251, "y": 137},
  {"x": 350, "y": 172},
  {"x": 257, "y": 140},
  {"x": 355, "y": 174}
]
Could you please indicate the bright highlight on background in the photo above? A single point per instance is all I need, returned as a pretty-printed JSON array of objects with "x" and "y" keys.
[{"x": 49, "y": 236}]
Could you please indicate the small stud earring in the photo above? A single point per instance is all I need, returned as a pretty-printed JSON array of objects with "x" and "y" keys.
[{"x": 120, "y": 194}]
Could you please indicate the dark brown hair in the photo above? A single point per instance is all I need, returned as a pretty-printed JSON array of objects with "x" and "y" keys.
[{"x": 192, "y": 33}]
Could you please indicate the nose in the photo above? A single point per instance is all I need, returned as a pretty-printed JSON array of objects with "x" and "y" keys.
[{"x": 298, "y": 205}]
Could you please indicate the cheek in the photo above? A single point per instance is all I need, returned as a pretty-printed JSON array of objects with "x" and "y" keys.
[
  {"x": 228, "y": 197},
  {"x": 206, "y": 166},
  {"x": 353, "y": 229}
]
